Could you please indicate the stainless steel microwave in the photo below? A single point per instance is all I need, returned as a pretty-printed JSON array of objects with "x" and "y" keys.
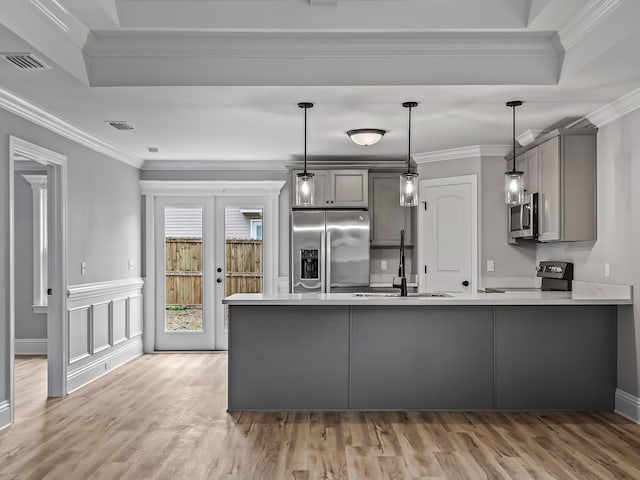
[{"x": 523, "y": 219}]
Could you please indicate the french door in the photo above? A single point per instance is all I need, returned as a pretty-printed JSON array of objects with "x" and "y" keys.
[
  {"x": 206, "y": 248},
  {"x": 185, "y": 292}
]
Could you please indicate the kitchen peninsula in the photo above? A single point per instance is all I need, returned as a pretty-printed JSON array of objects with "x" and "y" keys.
[{"x": 481, "y": 351}]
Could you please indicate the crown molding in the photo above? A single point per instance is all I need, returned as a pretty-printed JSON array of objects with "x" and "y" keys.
[
  {"x": 460, "y": 153},
  {"x": 586, "y": 20},
  {"x": 235, "y": 165},
  {"x": 616, "y": 109},
  {"x": 528, "y": 137},
  {"x": 12, "y": 103}
]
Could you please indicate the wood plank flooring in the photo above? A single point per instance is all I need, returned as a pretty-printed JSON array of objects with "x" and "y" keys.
[{"x": 163, "y": 417}]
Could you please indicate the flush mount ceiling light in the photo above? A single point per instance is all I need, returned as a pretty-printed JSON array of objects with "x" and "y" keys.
[
  {"x": 513, "y": 180},
  {"x": 304, "y": 181},
  {"x": 409, "y": 181},
  {"x": 366, "y": 136}
]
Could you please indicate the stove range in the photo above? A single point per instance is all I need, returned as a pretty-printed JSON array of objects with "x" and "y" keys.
[{"x": 556, "y": 276}]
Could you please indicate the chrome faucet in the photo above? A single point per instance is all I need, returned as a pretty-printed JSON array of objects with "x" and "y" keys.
[{"x": 402, "y": 285}]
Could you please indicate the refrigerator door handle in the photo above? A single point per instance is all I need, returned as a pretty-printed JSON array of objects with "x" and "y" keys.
[
  {"x": 328, "y": 260},
  {"x": 322, "y": 263}
]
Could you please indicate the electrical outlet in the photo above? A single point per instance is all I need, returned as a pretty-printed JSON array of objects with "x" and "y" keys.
[
  {"x": 130, "y": 265},
  {"x": 83, "y": 268},
  {"x": 383, "y": 265},
  {"x": 491, "y": 266},
  {"x": 606, "y": 269}
]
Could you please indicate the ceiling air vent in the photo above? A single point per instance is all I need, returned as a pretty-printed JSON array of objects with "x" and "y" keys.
[
  {"x": 25, "y": 61},
  {"x": 120, "y": 125}
]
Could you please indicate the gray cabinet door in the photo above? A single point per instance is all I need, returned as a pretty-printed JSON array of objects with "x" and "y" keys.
[
  {"x": 387, "y": 216},
  {"x": 288, "y": 357},
  {"x": 421, "y": 357},
  {"x": 528, "y": 163},
  {"x": 559, "y": 357},
  {"x": 549, "y": 206},
  {"x": 349, "y": 188}
]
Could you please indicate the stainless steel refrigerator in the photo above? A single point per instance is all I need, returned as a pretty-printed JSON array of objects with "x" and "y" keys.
[{"x": 329, "y": 251}]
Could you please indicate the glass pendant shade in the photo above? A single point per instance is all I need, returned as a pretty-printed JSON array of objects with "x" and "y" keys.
[
  {"x": 305, "y": 189},
  {"x": 514, "y": 187},
  {"x": 409, "y": 190}
]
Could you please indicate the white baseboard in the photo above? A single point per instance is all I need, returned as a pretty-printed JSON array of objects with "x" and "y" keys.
[
  {"x": 31, "y": 346},
  {"x": 103, "y": 365},
  {"x": 627, "y": 405},
  {"x": 5, "y": 414}
]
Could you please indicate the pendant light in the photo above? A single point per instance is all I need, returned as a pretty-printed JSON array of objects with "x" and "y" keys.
[
  {"x": 513, "y": 180},
  {"x": 409, "y": 181},
  {"x": 304, "y": 181}
]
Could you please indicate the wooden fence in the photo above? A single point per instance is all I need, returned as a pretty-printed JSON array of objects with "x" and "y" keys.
[{"x": 243, "y": 259}]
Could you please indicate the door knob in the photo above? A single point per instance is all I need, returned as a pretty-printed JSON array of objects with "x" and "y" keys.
[
  {"x": 465, "y": 283},
  {"x": 219, "y": 280}
]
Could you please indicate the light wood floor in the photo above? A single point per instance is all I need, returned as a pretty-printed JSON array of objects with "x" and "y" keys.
[{"x": 163, "y": 416}]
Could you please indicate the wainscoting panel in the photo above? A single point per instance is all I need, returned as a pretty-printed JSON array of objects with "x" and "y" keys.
[
  {"x": 79, "y": 347},
  {"x": 104, "y": 327},
  {"x": 135, "y": 316},
  {"x": 100, "y": 327},
  {"x": 118, "y": 321}
]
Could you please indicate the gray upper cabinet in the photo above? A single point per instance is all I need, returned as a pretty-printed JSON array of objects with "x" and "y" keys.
[
  {"x": 336, "y": 189},
  {"x": 387, "y": 216},
  {"x": 561, "y": 168}
]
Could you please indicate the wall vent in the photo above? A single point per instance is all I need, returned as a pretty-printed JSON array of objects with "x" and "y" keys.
[
  {"x": 120, "y": 124},
  {"x": 25, "y": 61}
]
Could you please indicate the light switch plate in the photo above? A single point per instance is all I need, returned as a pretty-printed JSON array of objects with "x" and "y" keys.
[
  {"x": 606, "y": 269},
  {"x": 491, "y": 266},
  {"x": 383, "y": 265}
]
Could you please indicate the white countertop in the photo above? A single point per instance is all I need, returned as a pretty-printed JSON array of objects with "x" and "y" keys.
[{"x": 508, "y": 298}]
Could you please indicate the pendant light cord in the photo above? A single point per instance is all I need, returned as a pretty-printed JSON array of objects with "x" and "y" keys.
[
  {"x": 305, "y": 140},
  {"x": 305, "y": 106},
  {"x": 410, "y": 106},
  {"x": 409, "y": 146},
  {"x": 513, "y": 107}
]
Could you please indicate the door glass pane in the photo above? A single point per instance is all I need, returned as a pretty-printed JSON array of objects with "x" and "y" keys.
[
  {"x": 243, "y": 252},
  {"x": 183, "y": 268}
]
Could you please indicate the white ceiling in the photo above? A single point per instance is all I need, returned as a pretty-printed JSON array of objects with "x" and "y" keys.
[{"x": 219, "y": 80}]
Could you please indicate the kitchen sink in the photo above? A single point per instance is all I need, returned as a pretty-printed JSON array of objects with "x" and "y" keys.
[{"x": 397, "y": 295}]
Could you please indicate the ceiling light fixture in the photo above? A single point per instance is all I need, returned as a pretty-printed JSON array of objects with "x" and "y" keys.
[
  {"x": 409, "y": 181},
  {"x": 304, "y": 181},
  {"x": 513, "y": 180},
  {"x": 366, "y": 136}
]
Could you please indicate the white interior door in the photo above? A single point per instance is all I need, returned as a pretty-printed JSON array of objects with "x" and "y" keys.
[
  {"x": 448, "y": 235},
  {"x": 185, "y": 259}
]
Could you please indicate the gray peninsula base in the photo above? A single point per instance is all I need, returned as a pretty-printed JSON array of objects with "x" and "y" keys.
[{"x": 340, "y": 357}]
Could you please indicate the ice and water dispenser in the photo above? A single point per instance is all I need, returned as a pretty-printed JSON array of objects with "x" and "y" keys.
[{"x": 309, "y": 262}]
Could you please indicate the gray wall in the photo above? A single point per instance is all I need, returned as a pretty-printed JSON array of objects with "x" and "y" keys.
[
  {"x": 28, "y": 323},
  {"x": 104, "y": 216},
  {"x": 618, "y": 236},
  {"x": 512, "y": 263},
  {"x": 103, "y": 220}
]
